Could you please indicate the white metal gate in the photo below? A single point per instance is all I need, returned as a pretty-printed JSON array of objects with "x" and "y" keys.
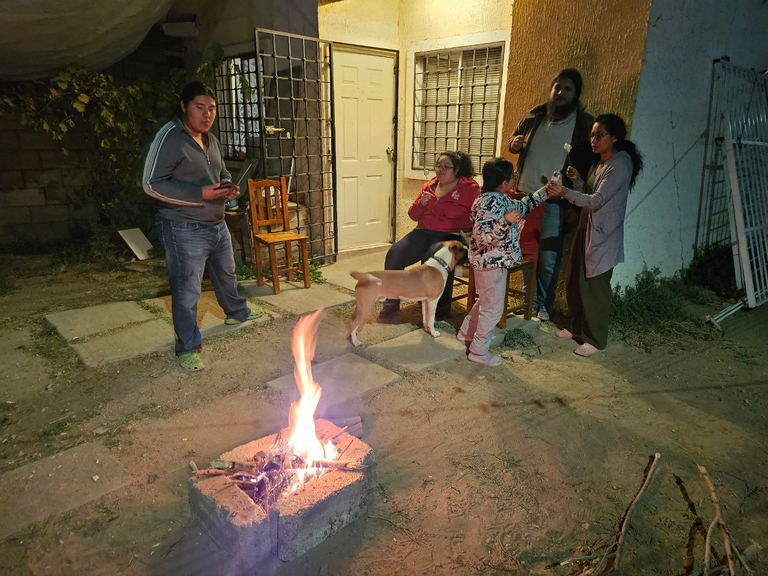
[{"x": 735, "y": 185}]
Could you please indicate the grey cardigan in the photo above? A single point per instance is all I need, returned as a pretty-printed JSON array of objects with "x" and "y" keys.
[{"x": 607, "y": 206}]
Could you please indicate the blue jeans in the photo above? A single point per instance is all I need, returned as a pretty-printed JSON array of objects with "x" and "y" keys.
[
  {"x": 190, "y": 250},
  {"x": 550, "y": 256}
]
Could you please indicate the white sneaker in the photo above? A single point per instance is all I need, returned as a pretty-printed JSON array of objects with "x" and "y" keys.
[
  {"x": 543, "y": 315},
  {"x": 487, "y": 359}
]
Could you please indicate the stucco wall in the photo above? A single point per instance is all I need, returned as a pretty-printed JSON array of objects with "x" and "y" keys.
[
  {"x": 430, "y": 20},
  {"x": 671, "y": 117},
  {"x": 395, "y": 25},
  {"x": 230, "y": 24},
  {"x": 603, "y": 39},
  {"x": 362, "y": 22}
]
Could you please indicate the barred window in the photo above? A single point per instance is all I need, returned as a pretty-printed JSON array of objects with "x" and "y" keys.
[
  {"x": 237, "y": 107},
  {"x": 456, "y": 103}
]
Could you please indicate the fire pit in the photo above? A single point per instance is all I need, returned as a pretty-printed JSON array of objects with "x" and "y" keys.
[{"x": 285, "y": 493}]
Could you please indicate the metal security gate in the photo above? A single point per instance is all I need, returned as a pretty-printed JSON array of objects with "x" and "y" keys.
[
  {"x": 295, "y": 98},
  {"x": 735, "y": 184}
]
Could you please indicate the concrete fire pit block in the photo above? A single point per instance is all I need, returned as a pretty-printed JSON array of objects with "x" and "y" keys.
[
  {"x": 296, "y": 523},
  {"x": 231, "y": 518},
  {"x": 327, "y": 504}
]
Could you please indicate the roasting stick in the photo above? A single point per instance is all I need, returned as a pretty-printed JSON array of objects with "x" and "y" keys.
[
  {"x": 723, "y": 528},
  {"x": 649, "y": 470}
]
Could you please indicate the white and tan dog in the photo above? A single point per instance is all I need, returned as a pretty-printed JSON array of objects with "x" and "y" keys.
[{"x": 424, "y": 283}]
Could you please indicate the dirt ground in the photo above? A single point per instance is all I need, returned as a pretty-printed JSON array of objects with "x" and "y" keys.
[{"x": 480, "y": 470}]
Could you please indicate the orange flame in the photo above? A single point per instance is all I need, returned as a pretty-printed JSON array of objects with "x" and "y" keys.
[{"x": 302, "y": 436}]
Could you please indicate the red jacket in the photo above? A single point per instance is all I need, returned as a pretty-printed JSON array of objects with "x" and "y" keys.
[{"x": 451, "y": 212}]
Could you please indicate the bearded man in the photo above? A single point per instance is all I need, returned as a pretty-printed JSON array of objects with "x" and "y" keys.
[{"x": 539, "y": 143}]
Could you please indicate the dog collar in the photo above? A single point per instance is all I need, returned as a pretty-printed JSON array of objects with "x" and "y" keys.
[{"x": 442, "y": 263}]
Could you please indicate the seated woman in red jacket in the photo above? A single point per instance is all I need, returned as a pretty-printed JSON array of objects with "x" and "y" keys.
[{"x": 441, "y": 211}]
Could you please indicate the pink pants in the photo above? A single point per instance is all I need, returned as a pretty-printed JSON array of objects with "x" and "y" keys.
[{"x": 491, "y": 285}]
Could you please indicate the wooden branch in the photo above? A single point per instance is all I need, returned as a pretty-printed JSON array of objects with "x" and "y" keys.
[
  {"x": 707, "y": 546},
  {"x": 720, "y": 519},
  {"x": 649, "y": 471}
]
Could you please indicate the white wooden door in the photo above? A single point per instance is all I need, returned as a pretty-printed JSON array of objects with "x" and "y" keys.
[{"x": 364, "y": 102}]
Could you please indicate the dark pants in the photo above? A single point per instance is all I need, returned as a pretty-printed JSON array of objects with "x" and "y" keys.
[
  {"x": 589, "y": 299},
  {"x": 190, "y": 250},
  {"x": 411, "y": 249}
]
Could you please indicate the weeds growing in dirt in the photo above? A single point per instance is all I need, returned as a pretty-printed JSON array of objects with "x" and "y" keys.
[
  {"x": 517, "y": 338},
  {"x": 655, "y": 310},
  {"x": 712, "y": 268}
]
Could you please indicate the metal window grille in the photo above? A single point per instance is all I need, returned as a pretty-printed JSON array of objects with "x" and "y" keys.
[
  {"x": 237, "y": 107},
  {"x": 296, "y": 99},
  {"x": 456, "y": 103}
]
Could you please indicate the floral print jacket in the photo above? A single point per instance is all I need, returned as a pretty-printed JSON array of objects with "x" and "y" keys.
[{"x": 495, "y": 243}]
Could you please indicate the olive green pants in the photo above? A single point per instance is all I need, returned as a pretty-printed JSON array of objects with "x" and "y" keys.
[{"x": 589, "y": 299}]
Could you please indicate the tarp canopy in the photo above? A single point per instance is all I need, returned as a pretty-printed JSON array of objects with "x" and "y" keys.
[{"x": 40, "y": 37}]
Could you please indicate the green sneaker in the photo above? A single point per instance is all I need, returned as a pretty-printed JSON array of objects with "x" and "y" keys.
[
  {"x": 256, "y": 312},
  {"x": 191, "y": 362}
]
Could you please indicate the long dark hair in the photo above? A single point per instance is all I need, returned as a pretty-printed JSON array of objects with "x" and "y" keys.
[
  {"x": 616, "y": 126},
  {"x": 461, "y": 161},
  {"x": 496, "y": 171},
  {"x": 190, "y": 92}
]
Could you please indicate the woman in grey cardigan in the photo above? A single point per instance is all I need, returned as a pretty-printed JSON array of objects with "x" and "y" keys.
[{"x": 599, "y": 243}]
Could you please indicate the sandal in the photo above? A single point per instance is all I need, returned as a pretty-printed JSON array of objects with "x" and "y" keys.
[
  {"x": 256, "y": 312},
  {"x": 191, "y": 362},
  {"x": 565, "y": 333},
  {"x": 586, "y": 350}
]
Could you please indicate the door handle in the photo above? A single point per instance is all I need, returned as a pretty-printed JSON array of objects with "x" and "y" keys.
[
  {"x": 390, "y": 152},
  {"x": 271, "y": 130}
]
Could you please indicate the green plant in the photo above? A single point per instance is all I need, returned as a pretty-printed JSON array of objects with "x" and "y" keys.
[
  {"x": 653, "y": 310},
  {"x": 245, "y": 272},
  {"x": 517, "y": 338},
  {"x": 712, "y": 268},
  {"x": 114, "y": 120},
  {"x": 315, "y": 274}
]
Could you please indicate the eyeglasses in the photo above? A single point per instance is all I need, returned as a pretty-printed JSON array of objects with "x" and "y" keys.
[
  {"x": 443, "y": 167},
  {"x": 598, "y": 135}
]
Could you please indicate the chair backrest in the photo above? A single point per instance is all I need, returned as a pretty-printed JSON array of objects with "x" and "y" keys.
[{"x": 269, "y": 203}]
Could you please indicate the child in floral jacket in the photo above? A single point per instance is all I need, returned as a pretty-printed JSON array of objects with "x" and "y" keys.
[{"x": 494, "y": 247}]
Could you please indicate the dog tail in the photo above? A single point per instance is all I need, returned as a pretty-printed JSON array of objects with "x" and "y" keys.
[{"x": 365, "y": 277}]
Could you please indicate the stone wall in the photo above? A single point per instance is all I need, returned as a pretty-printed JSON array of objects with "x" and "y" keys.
[{"x": 38, "y": 184}]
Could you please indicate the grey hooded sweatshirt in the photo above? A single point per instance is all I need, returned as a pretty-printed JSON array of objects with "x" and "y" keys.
[{"x": 176, "y": 169}]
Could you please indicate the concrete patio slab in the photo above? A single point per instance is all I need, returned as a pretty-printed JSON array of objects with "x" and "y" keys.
[
  {"x": 210, "y": 316},
  {"x": 360, "y": 260},
  {"x": 54, "y": 485},
  {"x": 84, "y": 322},
  {"x": 417, "y": 350},
  {"x": 344, "y": 380},
  {"x": 295, "y": 299},
  {"x": 132, "y": 341}
]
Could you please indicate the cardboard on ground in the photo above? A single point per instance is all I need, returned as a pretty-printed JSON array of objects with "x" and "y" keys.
[{"x": 137, "y": 242}]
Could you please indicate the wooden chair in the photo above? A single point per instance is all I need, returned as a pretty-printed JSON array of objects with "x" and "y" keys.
[
  {"x": 529, "y": 294},
  {"x": 269, "y": 207}
]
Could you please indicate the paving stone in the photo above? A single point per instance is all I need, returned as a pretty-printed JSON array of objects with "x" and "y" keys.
[
  {"x": 210, "y": 316},
  {"x": 84, "y": 322},
  {"x": 417, "y": 350},
  {"x": 56, "y": 484},
  {"x": 127, "y": 343},
  {"x": 296, "y": 299},
  {"x": 344, "y": 380},
  {"x": 358, "y": 260}
]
